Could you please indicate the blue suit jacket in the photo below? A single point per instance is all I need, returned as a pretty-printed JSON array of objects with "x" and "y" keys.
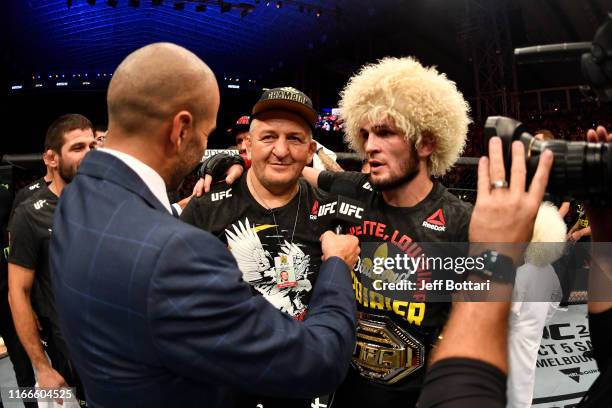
[{"x": 156, "y": 314}]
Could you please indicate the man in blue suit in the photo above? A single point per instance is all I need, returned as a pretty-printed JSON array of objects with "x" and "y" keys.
[{"x": 150, "y": 317}]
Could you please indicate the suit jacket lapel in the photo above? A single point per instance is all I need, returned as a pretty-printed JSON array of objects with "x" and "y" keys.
[{"x": 108, "y": 167}]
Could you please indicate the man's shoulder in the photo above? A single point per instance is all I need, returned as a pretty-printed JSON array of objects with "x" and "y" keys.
[
  {"x": 34, "y": 186},
  {"x": 26, "y": 192},
  {"x": 34, "y": 202},
  {"x": 313, "y": 193},
  {"x": 451, "y": 200},
  {"x": 347, "y": 183}
]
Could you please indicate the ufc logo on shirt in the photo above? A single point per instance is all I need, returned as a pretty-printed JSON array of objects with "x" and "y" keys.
[
  {"x": 39, "y": 204},
  {"x": 329, "y": 208},
  {"x": 221, "y": 195}
]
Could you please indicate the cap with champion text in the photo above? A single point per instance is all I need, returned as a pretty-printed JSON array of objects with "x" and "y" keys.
[{"x": 287, "y": 99}]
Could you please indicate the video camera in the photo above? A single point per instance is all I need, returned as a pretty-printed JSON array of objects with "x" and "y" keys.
[{"x": 580, "y": 170}]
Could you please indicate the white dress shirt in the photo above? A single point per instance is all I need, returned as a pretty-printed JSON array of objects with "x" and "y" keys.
[{"x": 150, "y": 177}]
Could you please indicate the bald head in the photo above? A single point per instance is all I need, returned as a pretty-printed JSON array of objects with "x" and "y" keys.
[{"x": 155, "y": 82}]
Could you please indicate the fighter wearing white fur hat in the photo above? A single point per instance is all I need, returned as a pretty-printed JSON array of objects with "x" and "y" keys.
[{"x": 411, "y": 124}]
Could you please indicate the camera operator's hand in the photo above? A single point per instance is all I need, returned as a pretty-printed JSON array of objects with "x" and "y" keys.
[
  {"x": 600, "y": 217},
  {"x": 507, "y": 214}
]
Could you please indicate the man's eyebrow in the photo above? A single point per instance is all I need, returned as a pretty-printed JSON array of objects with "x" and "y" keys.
[{"x": 378, "y": 128}]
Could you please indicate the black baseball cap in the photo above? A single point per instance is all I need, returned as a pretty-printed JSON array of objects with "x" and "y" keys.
[{"x": 287, "y": 99}]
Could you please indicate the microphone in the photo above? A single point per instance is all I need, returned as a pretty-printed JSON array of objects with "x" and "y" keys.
[{"x": 341, "y": 213}]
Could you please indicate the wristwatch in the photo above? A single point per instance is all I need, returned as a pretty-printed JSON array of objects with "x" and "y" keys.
[{"x": 497, "y": 267}]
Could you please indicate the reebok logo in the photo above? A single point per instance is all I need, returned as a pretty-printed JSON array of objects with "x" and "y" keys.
[
  {"x": 575, "y": 373},
  {"x": 39, "y": 204},
  {"x": 314, "y": 211},
  {"x": 315, "y": 208},
  {"x": 436, "y": 221}
]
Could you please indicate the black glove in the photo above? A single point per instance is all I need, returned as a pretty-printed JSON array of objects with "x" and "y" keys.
[{"x": 218, "y": 165}]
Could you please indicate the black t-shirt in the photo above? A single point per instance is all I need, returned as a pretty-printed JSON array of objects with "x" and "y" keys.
[
  {"x": 31, "y": 228},
  {"x": 387, "y": 231},
  {"x": 27, "y": 192},
  {"x": 266, "y": 242}
]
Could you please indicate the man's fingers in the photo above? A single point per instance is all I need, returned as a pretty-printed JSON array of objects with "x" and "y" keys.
[
  {"x": 483, "y": 177},
  {"x": 519, "y": 170},
  {"x": 233, "y": 173},
  {"x": 198, "y": 189},
  {"x": 540, "y": 179},
  {"x": 602, "y": 134},
  {"x": 207, "y": 182},
  {"x": 496, "y": 160}
]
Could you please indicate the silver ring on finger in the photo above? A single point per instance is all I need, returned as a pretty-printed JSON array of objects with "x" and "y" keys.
[{"x": 499, "y": 184}]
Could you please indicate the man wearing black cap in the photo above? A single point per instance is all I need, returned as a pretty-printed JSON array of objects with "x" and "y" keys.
[
  {"x": 240, "y": 131},
  {"x": 266, "y": 217}
]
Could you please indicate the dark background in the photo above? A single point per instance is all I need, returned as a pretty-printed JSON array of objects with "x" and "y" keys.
[{"x": 286, "y": 46}]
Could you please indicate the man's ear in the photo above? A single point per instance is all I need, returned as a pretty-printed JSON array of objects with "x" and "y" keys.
[
  {"x": 427, "y": 145},
  {"x": 312, "y": 149},
  {"x": 51, "y": 158},
  {"x": 248, "y": 144},
  {"x": 182, "y": 124}
]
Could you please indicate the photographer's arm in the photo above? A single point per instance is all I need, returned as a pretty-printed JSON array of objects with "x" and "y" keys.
[
  {"x": 600, "y": 278},
  {"x": 469, "y": 364}
]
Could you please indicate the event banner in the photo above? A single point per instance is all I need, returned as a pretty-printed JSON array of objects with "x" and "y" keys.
[
  {"x": 211, "y": 152},
  {"x": 565, "y": 367}
]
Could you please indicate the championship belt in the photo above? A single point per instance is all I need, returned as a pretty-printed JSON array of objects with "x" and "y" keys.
[{"x": 384, "y": 352}]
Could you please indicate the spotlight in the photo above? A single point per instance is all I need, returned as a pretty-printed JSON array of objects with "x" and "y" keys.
[
  {"x": 200, "y": 8},
  {"x": 318, "y": 13},
  {"x": 267, "y": 3},
  {"x": 279, "y": 4},
  {"x": 111, "y": 3},
  {"x": 134, "y": 3},
  {"x": 91, "y": 2},
  {"x": 179, "y": 5}
]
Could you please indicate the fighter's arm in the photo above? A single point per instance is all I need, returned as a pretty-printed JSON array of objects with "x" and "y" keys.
[
  {"x": 21, "y": 281},
  {"x": 329, "y": 163},
  {"x": 311, "y": 175},
  {"x": 22, "y": 261}
]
